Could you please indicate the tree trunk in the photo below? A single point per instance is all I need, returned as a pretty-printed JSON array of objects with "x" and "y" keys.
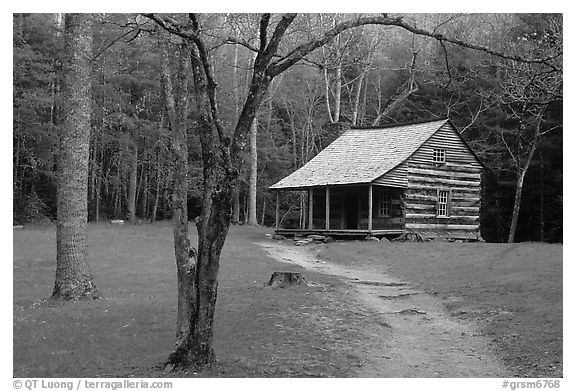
[
  {"x": 117, "y": 202},
  {"x": 356, "y": 107},
  {"x": 236, "y": 206},
  {"x": 166, "y": 206},
  {"x": 236, "y": 199},
  {"x": 157, "y": 192},
  {"x": 16, "y": 164},
  {"x": 302, "y": 221},
  {"x": 99, "y": 184},
  {"x": 517, "y": 201},
  {"x": 541, "y": 197},
  {"x": 360, "y": 120},
  {"x": 252, "y": 220},
  {"x": 124, "y": 192},
  {"x": 338, "y": 89},
  {"x": 194, "y": 346},
  {"x": 521, "y": 171},
  {"x": 245, "y": 209},
  {"x": 400, "y": 95},
  {"x": 198, "y": 281},
  {"x": 144, "y": 204},
  {"x": 139, "y": 187},
  {"x": 195, "y": 292},
  {"x": 263, "y": 215},
  {"x": 334, "y": 116},
  {"x": 91, "y": 177},
  {"x": 132, "y": 183},
  {"x": 73, "y": 277}
]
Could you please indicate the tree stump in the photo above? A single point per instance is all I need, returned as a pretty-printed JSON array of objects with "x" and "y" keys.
[{"x": 284, "y": 279}]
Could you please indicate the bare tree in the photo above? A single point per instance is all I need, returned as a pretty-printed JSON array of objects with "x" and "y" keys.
[
  {"x": 527, "y": 90},
  {"x": 529, "y": 113}
]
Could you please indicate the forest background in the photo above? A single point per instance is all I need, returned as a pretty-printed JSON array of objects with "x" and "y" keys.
[{"x": 510, "y": 113}]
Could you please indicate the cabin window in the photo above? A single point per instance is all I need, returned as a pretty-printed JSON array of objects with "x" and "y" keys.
[
  {"x": 442, "y": 206},
  {"x": 383, "y": 204},
  {"x": 439, "y": 156}
]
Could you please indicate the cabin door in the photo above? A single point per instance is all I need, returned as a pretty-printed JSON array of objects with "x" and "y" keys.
[{"x": 351, "y": 210}]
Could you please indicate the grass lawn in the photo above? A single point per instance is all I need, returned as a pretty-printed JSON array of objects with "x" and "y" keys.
[
  {"x": 259, "y": 331},
  {"x": 513, "y": 291}
]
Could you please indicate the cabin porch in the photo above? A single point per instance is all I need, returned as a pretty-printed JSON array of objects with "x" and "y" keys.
[
  {"x": 345, "y": 211},
  {"x": 339, "y": 233}
]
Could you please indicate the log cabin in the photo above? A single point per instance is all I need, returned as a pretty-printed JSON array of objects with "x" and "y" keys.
[{"x": 384, "y": 181}]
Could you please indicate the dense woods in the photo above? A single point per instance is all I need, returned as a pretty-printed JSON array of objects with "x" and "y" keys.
[{"x": 510, "y": 112}]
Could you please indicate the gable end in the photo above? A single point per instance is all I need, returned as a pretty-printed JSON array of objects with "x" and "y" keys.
[{"x": 447, "y": 139}]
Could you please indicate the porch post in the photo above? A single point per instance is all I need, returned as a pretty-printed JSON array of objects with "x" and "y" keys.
[
  {"x": 310, "y": 209},
  {"x": 370, "y": 207},
  {"x": 327, "y": 208},
  {"x": 277, "y": 209}
]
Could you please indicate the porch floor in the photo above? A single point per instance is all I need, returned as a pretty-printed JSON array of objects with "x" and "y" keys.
[{"x": 355, "y": 233}]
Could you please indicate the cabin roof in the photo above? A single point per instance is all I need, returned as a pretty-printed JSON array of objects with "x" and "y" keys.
[{"x": 361, "y": 155}]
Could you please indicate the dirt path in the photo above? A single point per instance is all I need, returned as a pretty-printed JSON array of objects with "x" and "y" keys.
[{"x": 425, "y": 341}]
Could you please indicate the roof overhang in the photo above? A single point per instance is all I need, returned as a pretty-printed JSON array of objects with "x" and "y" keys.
[
  {"x": 321, "y": 186},
  {"x": 356, "y": 184}
]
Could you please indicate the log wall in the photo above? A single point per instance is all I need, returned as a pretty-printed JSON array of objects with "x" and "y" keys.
[{"x": 461, "y": 175}]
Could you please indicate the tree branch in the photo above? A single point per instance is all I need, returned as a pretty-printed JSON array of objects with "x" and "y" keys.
[
  {"x": 264, "y": 21},
  {"x": 447, "y": 62},
  {"x": 191, "y": 33},
  {"x": 481, "y": 109},
  {"x": 211, "y": 90},
  {"x": 508, "y": 148},
  {"x": 279, "y": 32},
  {"x": 549, "y": 130},
  {"x": 172, "y": 26},
  {"x": 138, "y": 30},
  {"x": 299, "y": 52}
]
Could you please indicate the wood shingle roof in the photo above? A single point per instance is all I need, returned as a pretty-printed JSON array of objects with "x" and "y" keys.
[{"x": 360, "y": 156}]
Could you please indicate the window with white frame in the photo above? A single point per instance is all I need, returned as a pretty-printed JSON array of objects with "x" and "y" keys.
[
  {"x": 442, "y": 209},
  {"x": 383, "y": 204},
  {"x": 439, "y": 156}
]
